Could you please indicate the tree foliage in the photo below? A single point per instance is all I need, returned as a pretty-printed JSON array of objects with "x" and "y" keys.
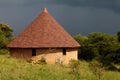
[
  {"x": 118, "y": 34},
  {"x": 5, "y": 35},
  {"x": 2, "y": 39},
  {"x": 86, "y": 51},
  {"x": 100, "y": 46}
]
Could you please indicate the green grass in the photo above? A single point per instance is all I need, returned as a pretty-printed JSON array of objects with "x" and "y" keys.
[{"x": 14, "y": 69}]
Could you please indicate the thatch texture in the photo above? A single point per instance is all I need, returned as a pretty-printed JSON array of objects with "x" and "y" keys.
[{"x": 44, "y": 32}]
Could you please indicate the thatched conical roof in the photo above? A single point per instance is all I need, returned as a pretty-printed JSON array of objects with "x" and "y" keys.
[{"x": 44, "y": 32}]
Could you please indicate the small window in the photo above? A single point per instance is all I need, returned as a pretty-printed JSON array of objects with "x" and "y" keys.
[
  {"x": 33, "y": 52},
  {"x": 64, "y": 51}
]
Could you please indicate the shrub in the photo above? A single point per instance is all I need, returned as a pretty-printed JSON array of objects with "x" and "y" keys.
[
  {"x": 97, "y": 68},
  {"x": 42, "y": 61},
  {"x": 74, "y": 66},
  {"x": 4, "y": 51}
]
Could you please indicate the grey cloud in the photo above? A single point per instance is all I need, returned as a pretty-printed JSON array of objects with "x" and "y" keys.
[
  {"x": 6, "y": 3},
  {"x": 66, "y": 12},
  {"x": 113, "y": 5}
]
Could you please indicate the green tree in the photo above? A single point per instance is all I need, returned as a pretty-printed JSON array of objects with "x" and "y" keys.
[
  {"x": 5, "y": 35},
  {"x": 99, "y": 46},
  {"x": 106, "y": 45},
  {"x": 87, "y": 51},
  {"x": 80, "y": 39},
  {"x": 118, "y": 35},
  {"x": 2, "y": 39}
]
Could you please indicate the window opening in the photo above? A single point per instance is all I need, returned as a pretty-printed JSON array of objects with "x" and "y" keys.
[
  {"x": 33, "y": 52},
  {"x": 64, "y": 51}
]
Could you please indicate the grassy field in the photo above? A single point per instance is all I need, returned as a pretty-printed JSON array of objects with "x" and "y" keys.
[{"x": 12, "y": 69}]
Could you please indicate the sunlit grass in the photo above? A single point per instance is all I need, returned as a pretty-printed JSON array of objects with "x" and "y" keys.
[{"x": 15, "y": 69}]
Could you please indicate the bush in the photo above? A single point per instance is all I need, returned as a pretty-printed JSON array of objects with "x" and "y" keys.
[
  {"x": 74, "y": 66},
  {"x": 97, "y": 68},
  {"x": 42, "y": 61},
  {"x": 4, "y": 51}
]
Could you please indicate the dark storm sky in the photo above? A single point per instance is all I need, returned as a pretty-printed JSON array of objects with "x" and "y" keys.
[{"x": 76, "y": 16}]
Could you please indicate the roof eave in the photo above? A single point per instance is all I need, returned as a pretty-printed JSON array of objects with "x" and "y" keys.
[{"x": 46, "y": 47}]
